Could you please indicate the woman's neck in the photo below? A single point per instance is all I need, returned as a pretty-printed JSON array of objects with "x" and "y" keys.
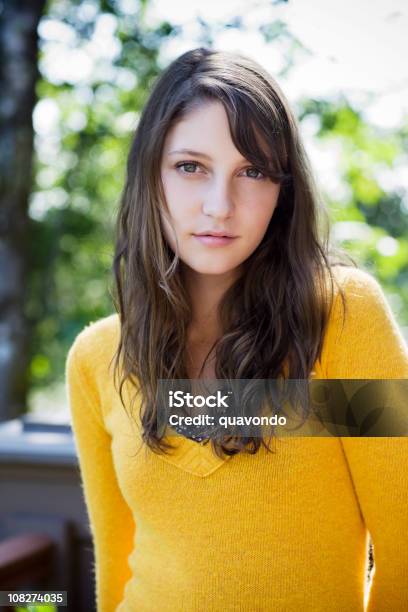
[{"x": 206, "y": 292}]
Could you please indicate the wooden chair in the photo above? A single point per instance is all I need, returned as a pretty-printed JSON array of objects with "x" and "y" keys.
[{"x": 26, "y": 563}]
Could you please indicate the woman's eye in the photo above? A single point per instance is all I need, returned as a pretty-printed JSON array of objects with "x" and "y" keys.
[
  {"x": 189, "y": 167},
  {"x": 255, "y": 171}
]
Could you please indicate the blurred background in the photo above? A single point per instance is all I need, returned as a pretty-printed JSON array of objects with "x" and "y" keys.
[{"x": 74, "y": 76}]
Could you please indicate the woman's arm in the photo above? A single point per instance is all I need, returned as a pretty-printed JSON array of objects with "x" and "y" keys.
[
  {"x": 111, "y": 520},
  {"x": 371, "y": 346}
]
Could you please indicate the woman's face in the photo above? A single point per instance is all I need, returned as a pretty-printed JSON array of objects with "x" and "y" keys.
[{"x": 210, "y": 187}]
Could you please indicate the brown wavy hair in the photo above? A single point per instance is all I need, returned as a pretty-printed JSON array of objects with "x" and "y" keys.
[{"x": 275, "y": 315}]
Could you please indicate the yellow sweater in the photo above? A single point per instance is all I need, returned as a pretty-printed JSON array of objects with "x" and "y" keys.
[{"x": 267, "y": 532}]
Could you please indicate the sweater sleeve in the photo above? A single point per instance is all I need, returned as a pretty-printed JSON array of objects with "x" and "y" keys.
[
  {"x": 110, "y": 518},
  {"x": 371, "y": 345}
]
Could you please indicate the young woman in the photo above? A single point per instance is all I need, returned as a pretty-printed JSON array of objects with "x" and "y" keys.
[{"x": 190, "y": 524}]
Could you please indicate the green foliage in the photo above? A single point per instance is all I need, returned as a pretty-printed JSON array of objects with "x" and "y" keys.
[
  {"x": 79, "y": 177},
  {"x": 372, "y": 223}
]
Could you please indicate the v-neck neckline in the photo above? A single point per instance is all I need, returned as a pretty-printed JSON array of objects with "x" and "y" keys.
[{"x": 193, "y": 457}]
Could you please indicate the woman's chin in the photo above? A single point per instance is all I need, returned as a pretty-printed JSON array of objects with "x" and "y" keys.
[{"x": 215, "y": 268}]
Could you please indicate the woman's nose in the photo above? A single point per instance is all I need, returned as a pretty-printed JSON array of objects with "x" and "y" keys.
[{"x": 218, "y": 200}]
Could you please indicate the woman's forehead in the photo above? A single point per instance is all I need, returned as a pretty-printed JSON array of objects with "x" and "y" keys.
[{"x": 205, "y": 129}]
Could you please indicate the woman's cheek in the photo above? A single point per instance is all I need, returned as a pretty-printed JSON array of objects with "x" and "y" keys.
[{"x": 259, "y": 212}]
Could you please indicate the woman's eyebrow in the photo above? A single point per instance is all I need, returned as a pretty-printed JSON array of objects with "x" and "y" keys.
[
  {"x": 197, "y": 154},
  {"x": 190, "y": 152}
]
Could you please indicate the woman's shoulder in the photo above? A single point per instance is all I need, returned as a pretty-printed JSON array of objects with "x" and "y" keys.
[
  {"x": 355, "y": 279},
  {"x": 364, "y": 339},
  {"x": 358, "y": 301},
  {"x": 97, "y": 342},
  {"x": 354, "y": 289},
  {"x": 360, "y": 288}
]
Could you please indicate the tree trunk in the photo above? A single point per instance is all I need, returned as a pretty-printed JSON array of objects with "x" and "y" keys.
[{"x": 18, "y": 65}]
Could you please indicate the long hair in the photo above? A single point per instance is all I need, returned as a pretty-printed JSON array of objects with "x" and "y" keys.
[{"x": 275, "y": 315}]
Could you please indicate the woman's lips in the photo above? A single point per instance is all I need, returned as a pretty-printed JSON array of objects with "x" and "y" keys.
[{"x": 215, "y": 240}]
